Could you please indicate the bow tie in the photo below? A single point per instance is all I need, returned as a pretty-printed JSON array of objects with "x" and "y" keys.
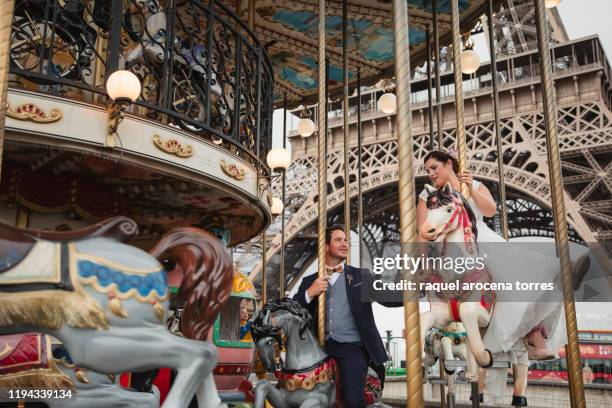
[{"x": 333, "y": 270}]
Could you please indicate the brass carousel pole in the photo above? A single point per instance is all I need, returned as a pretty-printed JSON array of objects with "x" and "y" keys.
[
  {"x": 359, "y": 191},
  {"x": 498, "y": 138},
  {"x": 264, "y": 280},
  {"x": 282, "y": 251},
  {"x": 6, "y": 20},
  {"x": 251, "y": 15},
  {"x": 574, "y": 368},
  {"x": 432, "y": 143},
  {"x": 460, "y": 135},
  {"x": 345, "y": 120},
  {"x": 407, "y": 198},
  {"x": 322, "y": 164},
  {"x": 436, "y": 36}
]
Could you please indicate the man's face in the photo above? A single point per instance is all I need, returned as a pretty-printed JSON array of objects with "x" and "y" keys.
[{"x": 338, "y": 246}]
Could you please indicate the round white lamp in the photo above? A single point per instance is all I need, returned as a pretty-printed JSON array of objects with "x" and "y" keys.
[
  {"x": 387, "y": 103},
  {"x": 306, "y": 127},
  {"x": 551, "y": 3},
  {"x": 470, "y": 61},
  {"x": 278, "y": 159},
  {"x": 277, "y": 206},
  {"x": 123, "y": 85}
]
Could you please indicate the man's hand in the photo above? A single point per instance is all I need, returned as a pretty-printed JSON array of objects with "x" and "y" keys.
[{"x": 318, "y": 286}]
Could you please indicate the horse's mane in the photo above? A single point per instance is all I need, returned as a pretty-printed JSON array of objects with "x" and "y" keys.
[
  {"x": 207, "y": 276},
  {"x": 260, "y": 330},
  {"x": 444, "y": 198}
]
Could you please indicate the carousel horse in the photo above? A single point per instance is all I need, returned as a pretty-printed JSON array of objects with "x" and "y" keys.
[
  {"x": 450, "y": 219},
  {"x": 107, "y": 302},
  {"x": 446, "y": 345},
  {"x": 34, "y": 361},
  {"x": 308, "y": 377}
]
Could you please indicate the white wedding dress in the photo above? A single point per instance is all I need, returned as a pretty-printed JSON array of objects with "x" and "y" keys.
[{"x": 512, "y": 320}]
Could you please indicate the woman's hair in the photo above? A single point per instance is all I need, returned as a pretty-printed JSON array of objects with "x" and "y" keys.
[{"x": 443, "y": 157}]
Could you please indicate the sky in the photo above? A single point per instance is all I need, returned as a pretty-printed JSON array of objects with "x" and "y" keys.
[{"x": 581, "y": 18}]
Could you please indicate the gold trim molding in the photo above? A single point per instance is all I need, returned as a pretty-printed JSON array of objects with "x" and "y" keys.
[
  {"x": 232, "y": 170},
  {"x": 173, "y": 146},
  {"x": 31, "y": 112}
]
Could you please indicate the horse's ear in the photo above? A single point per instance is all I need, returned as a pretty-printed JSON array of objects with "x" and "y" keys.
[
  {"x": 266, "y": 319},
  {"x": 448, "y": 189},
  {"x": 430, "y": 189}
]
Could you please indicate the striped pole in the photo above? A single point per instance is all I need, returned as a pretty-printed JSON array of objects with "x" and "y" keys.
[
  {"x": 498, "y": 138},
  {"x": 6, "y": 20},
  {"x": 460, "y": 135},
  {"x": 345, "y": 119},
  {"x": 322, "y": 164},
  {"x": 574, "y": 368},
  {"x": 407, "y": 198},
  {"x": 436, "y": 36}
]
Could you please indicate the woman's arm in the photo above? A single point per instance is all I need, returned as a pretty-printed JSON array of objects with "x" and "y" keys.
[
  {"x": 484, "y": 200},
  {"x": 481, "y": 195}
]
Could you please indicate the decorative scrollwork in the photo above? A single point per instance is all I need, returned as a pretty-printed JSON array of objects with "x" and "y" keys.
[
  {"x": 206, "y": 76},
  {"x": 29, "y": 111},
  {"x": 173, "y": 146},
  {"x": 232, "y": 170}
]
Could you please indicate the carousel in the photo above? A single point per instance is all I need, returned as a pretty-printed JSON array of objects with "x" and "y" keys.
[{"x": 137, "y": 156}]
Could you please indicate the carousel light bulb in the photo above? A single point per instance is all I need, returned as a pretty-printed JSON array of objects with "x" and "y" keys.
[
  {"x": 306, "y": 127},
  {"x": 387, "y": 103},
  {"x": 551, "y": 3},
  {"x": 277, "y": 206},
  {"x": 123, "y": 84},
  {"x": 278, "y": 159},
  {"x": 470, "y": 61}
]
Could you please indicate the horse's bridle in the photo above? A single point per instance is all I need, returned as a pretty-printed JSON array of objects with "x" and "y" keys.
[{"x": 464, "y": 221}]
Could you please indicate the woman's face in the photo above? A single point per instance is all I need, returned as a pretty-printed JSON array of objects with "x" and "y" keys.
[{"x": 439, "y": 172}]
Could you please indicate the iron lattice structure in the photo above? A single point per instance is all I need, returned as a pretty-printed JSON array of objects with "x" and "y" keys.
[{"x": 584, "y": 96}]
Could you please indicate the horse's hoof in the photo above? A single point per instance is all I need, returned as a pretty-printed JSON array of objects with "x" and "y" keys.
[
  {"x": 490, "y": 364},
  {"x": 580, "y": 267},
  {"x": 519, "y": 401}
]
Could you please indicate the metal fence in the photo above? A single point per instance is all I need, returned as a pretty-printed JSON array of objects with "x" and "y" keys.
[{"x": 200, "y": 67}]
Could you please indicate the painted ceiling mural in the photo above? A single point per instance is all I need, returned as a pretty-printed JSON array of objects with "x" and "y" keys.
[{"x": 289, "y": 28}]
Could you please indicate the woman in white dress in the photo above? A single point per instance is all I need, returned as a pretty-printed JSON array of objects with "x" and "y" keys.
[{"x": 511, "y": 321}]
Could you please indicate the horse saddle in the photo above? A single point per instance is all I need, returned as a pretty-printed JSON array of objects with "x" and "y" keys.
[
  {"x": 39, "y": 260},
  {"x": 20, "y": 352},
  {"x": 45, "y": 265}
]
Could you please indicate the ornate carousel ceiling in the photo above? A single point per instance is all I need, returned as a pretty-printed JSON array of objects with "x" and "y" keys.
[
  {"x": 289, "y": 29},
  {"x": 53, "y": 181}
]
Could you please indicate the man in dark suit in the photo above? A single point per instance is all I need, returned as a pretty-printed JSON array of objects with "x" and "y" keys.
[{"x": 350, "y": 331}]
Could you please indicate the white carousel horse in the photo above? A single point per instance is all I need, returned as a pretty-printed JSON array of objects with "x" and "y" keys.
[
  {"x": 450, "y": 220},
  {"x": 107, "y": 302},
  {"x": 308, "y": 378},
  {"x": 448, "y": 345}
]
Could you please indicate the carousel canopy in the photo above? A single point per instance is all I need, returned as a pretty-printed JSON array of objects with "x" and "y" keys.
[{"x": 289, "y": 29}]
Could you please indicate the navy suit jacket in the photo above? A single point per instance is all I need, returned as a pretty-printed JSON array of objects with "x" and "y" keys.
[{"x": 361, "y": 310}]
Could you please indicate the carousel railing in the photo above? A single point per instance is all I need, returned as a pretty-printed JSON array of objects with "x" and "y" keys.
[{"x": 200, "y": 67}]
